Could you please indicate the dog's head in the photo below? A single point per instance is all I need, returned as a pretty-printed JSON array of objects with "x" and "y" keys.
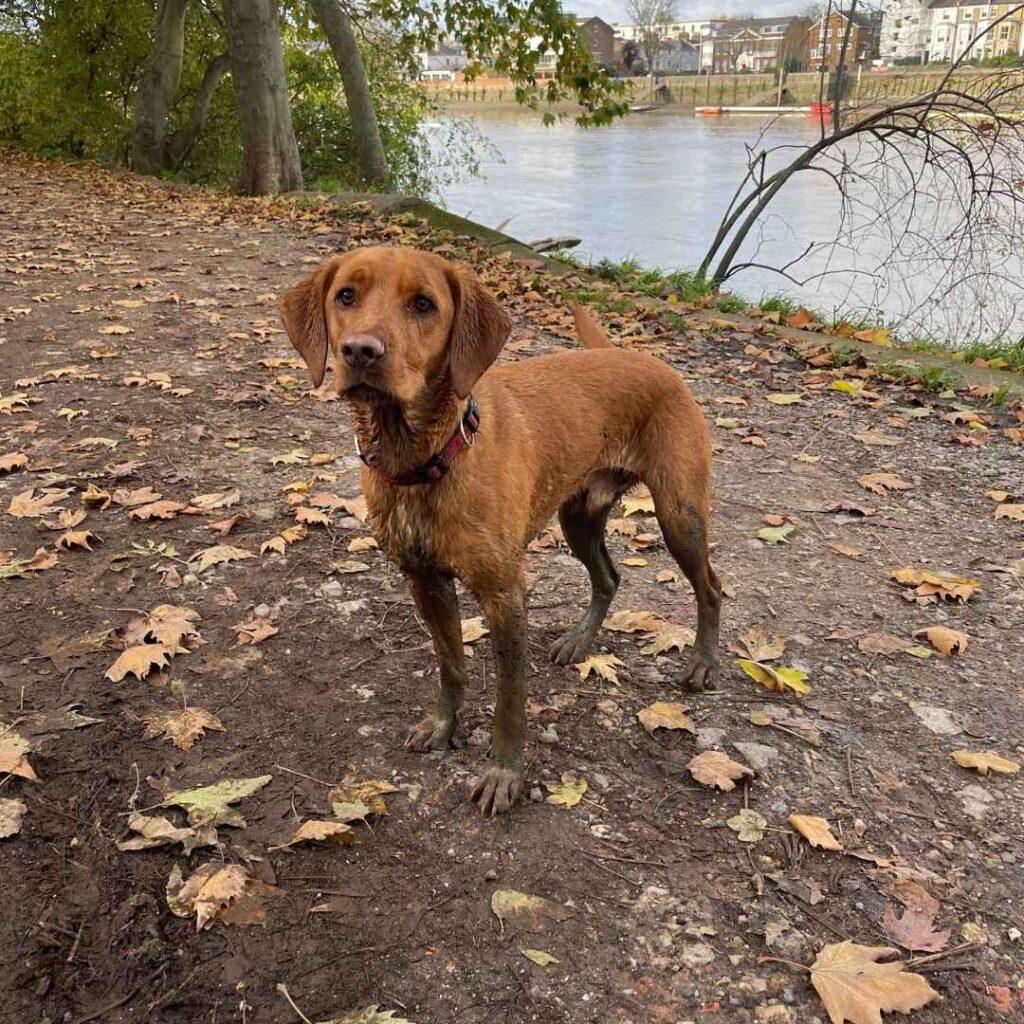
[{"x": 397, "y": 321}]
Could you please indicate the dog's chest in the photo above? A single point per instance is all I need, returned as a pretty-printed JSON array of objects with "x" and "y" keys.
[{"x": 412, "y": 533}]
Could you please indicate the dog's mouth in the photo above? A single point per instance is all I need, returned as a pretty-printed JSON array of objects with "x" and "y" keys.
[{"x": 372, "y": 394}]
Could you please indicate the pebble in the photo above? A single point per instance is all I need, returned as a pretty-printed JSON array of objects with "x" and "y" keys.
[
  {"x": 708, "y": 738},
  {"x": 548, "y": 735},
  {"x": 757, "y": 755},
  {"x": 976, "y": 801},
  {"x": 937, "y": 720},
  {"x": 774, "y": 1013},
  {"x": 536, "y": 795},
  {"x": 696, "y": 954},
  {"x": 491, "y": 875}
]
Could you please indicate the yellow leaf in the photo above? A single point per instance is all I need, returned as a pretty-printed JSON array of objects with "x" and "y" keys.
[
  {"x": 293, "y": 534},
  {"x": 946, "y": 641},
  {"x": 473, "y": 630},
  {"x": 218, "y": 554},
  {"x": 311, "y": 516},
  {"x": 14, "y": 749},
  {"x": 357, "y": 544},
  {"x": 875, "y": 336},
  {"x": 781, "y": 680},
  {"x": 665, "y": 715},
  {"x": 928, "y": 584},
  {"x": 1011, "y": 512},
  {"x": 182, "y": 727},
  {"x": 277, "y": 544},
  {"x": 569, "y": 793},
  {"x": 640, "y": 502},
  {"x": 777, "y": 399},
  {"x": 138, "y": 661},
  {"x": 985, "y": 761},
  {"x": 637, "y": 563},
  {"x": 333, "y": 832},
  {"x": 713, "y": 768},
  {"x": 756, "y": 645},
  {"x": 854, "y": 987},
  {"x": 849, "y": 387},
  {"x": 815, "y": 830},
  {"x": 602, "y": 665},
  {"x": 539, "y": 957},
  {"x": 669, "y": 637},
  {"x": 634, "y": 622}
]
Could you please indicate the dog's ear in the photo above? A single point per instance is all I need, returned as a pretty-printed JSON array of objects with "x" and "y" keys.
[
  {"x": 479, "y": 329},
  {"x": 305, "y": 319}
]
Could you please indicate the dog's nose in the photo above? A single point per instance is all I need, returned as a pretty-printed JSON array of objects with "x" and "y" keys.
[{"x": 362, "y": 350}]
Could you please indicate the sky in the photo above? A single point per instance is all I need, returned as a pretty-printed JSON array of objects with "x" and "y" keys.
[{"x": 690, "y": 10}]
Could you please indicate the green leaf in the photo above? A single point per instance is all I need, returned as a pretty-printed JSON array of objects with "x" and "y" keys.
[
  {"x": 209, "y": 805},
  {"x": 775, "y": 534},
  {"x": 539, "y": 957}
]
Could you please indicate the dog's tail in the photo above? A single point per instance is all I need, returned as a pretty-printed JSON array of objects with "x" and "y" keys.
[{"x": 589, "y": 329}]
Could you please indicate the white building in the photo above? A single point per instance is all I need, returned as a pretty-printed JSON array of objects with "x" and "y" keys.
[
  {"x": 441, "y": 65},
  {"x": 906, "y": 26},
  {"x": 944, "y": 30}
]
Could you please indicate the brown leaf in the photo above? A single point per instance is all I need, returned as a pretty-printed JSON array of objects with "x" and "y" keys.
[
  {"x": 11, "y": 813},
  {"x": 12, "y": 461},
  {"x": 75, "y": 539},
  {"x": 665, "y": 715},
  {"x": 174, "y": 627},
  {"x": 254, "y": 630},
  {"x": 208, "y": 892},
  {"x": 357, "y": 544},
  {"x": 332, "y": 832},
  {"x": 985, "y": 762},
  {"x": 882, "y": 643},
  {"x": 224, "y": 526},
  {"x": 854, "y": 987},
  {"x": 139, "y": 661},
  {"x": 882, "y": 483},
  {"x": 217, "y": 499},
  {"x": 14, "y": 749},
  {"x": 311, "y": 516},
  {"x": 157, "y": 510},
  {"x": 713, "y": 768},
  {"x": 756, "y": 645},
  {"x": 915, "y": 930},
  {"x": 634, "y": 622},
  {"x": 946, "y": 641},
  {"x": 815, "y": 830},
  {"x": 182, "y": 727},
  {"x": 27, "y": 505}
]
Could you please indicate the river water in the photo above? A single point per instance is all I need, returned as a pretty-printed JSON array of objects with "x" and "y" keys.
[{"x": 653, "y": 187}]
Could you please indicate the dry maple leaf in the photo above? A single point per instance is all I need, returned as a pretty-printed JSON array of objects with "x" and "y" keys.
[
  {"x": 370, "y": 793},
  {"x": 882, "y": 483},
  {"x": 473, "y": 630},
  {"x": 217, "y": 499},
  {"x": 333, "y": 832},
  {"x": 15, "y": 460},
  {"x": 254, "y": 630},
  {"x": 713, "y": 768},
  {"x": 985, "y": 761},
  {"x": 14, "y": 750},
  {"x": 756, "y": 645},
  {"x": 218, "y": 554},
  {"x": 139, "y": 661},
  {"x": 1010, "y": 512},
  {"x": 915, "y": 930},
  {"x": 357, "y": 544},
  {"x": 640, "y": 502},
  {"x": 27, "y": 505},
  {"x": 781, "y": 679},
  {"x": 935, "y": 584},
  {"x": 602, "y": 665},
  {"x": 568, "y": 793},
  {"x": 174, "y": 627},
  {"x": 208, "y": 892},
  {"x": 669, "y": 637},
  {"x": 157, "y": 510},
  {"x": 11, "y": 813},
  {"x": 815, "y": 830},
  {"x": 75, "y": 539},
  {"x": 276, "y": 544},
  {"x": 946, "y": 641},
  {"x": 182, "y": 727},
  {"x": 634, "y": 622},
  {"x": 151, "y": 832},
  {"x": 311, "y": 516},
  {"x": 665, "y": 715},
  {"x": 854, "y": 987}
]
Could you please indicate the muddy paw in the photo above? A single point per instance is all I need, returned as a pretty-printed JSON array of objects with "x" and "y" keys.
[
  {"x": 571, "y": 648},
  {"x": 433, "y": 733},
  {"x": 496, "y": 790},
  {"x": 701, "y": 672}
]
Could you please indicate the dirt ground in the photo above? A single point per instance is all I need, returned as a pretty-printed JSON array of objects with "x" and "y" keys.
[{"x": 139, "y": 320}]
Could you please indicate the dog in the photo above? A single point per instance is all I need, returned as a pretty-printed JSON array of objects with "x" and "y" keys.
[{"x": 466, "y": 462}]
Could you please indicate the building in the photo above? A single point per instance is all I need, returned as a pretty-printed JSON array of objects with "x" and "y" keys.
[
  {"x": 965, "y": 29},
  {"x": 443, "y": 63},
  {"x": 677, "y": 57},
  {"x": 825, "y": 40},
  {"x": 755, "y": 44},
  {"x": 904, "y": 35},
  {"x": 599, "y": 37}
]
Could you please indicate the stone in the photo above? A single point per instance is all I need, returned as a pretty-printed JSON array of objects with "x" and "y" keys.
[
  {"x": 757, "y": 755},
  {"x": 548, "y": 735},
  {"x": 330, "y": 589},
  {"x": 537, "y": 795},
  {"x": 937, "y": 720},
  {"x": 262, "y": 611},
  {"x": 976, "y": 801},
  {"x": 696, "y": 954},
  {"x": 708, "y": 738},
  {"x": 774, "y": 1013}
]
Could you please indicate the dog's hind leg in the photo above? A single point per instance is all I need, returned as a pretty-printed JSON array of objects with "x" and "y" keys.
[
  {"x": 683, "y": 522},
  {"x": 583, "y": 518},
  {"x": 437, "y": 602}
]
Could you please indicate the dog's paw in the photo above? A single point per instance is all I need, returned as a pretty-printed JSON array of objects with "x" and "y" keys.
[
  {"x": 433, "y": 733},
  {"x": 701, "y": 672},
  {"x": 571, "y": 648},
  {"x": 496, "y": 790}
]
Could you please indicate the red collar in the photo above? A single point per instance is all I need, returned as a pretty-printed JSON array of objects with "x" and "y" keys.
[{"x": 438, "y": 464}]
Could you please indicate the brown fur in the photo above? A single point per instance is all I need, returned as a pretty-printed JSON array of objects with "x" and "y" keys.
[{"x": 567, "y": 433}]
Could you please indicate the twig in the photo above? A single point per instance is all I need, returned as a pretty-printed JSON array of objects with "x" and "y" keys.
[
  {"x": 602, "y": 867},
  {"x": 283, "y": 989},
  {"x": 120, "y": 1001},
  {"x": 74, "y": 946},
  {"x": 303, "y": 775},
  {"x": 964, "y": 947}
]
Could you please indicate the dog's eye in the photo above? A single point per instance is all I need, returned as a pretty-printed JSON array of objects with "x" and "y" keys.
[
  {"x": 421, "y": 304},
  {"x": 345, "y": 297}
]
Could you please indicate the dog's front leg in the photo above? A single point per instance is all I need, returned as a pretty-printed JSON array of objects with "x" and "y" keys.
[
  {"x": 505, "y": 611},
  {"x": 435, "y": 597}
]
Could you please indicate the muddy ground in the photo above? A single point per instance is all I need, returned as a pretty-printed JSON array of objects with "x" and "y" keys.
[{"x": 667, "y": 911}]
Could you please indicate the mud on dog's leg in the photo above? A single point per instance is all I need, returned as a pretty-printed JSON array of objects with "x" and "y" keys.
[
  {"x": 498, "y": 788},
  {"x": 436, "y": 600}
]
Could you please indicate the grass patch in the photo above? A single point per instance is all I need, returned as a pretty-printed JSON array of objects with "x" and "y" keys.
[{"x": 1011, "y": 353}]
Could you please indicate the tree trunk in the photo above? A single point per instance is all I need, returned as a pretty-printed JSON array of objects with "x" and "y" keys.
[
  {"x": 270, "y": 156},
  {"x": 337, "y": 27},
  {"x": 180, "y": 144},
  {"x": 158, "y": 87}
]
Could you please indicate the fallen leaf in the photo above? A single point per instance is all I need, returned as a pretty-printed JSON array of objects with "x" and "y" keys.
[
  {"x": 173, "y": 626},
  {"x": 1015, "y": 512},
  {"x": 349, "y": 566},
  {"x": 212, "y": 892},
  {"x": 748, "y": 825},
  {"x": 11, "y": 813},
  {"x": 915, "y": 930},
  {"x": 634, "y": 622},
  {"x": 815, "y": 830},
  {"x": 276, "y": 544},
  {"x": 357, "y": 544},
  {"x": 665, "y": 715},
  {"x": 27, "y": 505},
  {"x": 854, "y": 987},
  {"x": 17, "y": 569},
  {"x": 539, "y": 957},
  {"x": 311, "y": 516},
  {"x": 217, "y": 499},
  {"x": 882, "y": 643},
  {"x": 370, "y": 792},
  {"x": 602, "y": 665},
  {"x": 254, "y": 630},
  {"x": 182, "y": 727},
  {"x": 157, "y": 831},
  {"x": 139, "y": 661},
  {"x": 876, "y": 439},
  {"x": 882, "y": 483},
  {"x": 473, "y": 630},
  {"x": 210, "y": 805},
  {"x": 568, "y": 793},
  {"x": 14, "y": 750},
  {"x": 984, "y": 762},
  {"x": 775, "y": 534},
  {"x": 780, "y": 679},
  {"x": 635, "y": 563},
  {"x": 639, "y": 502},
  {"x": 157, "y": 510},
  {"x": 713, "y": 768},
  {"x": 777, "y": 399},
  {"x": 75, "y": 539},
  {"x": 219, "y": 554},
  {"x": 756, "y": 645},
  {"x": 846, "y": 551},
  {"x": 669, "y": 637},
  {"x": 331, "y": 832},
  {"x": 938, "y": 585},
  {"x": 529, "y": 913},
  {"x": 946, "y": 641},
  {"x": 14, "y": 460}
]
